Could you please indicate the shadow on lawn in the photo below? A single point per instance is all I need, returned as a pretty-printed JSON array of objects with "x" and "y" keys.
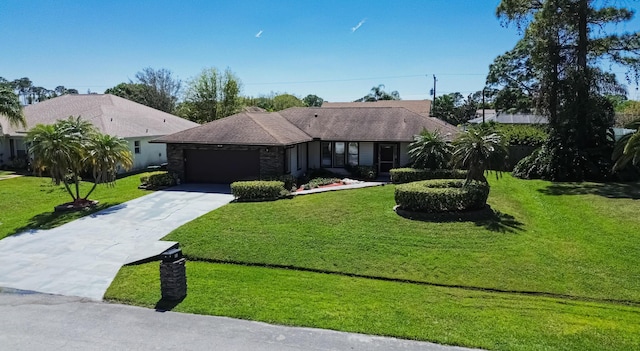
[
  {"x": 494, "y": 221},
  {"x": 165, "y": 305},
  {"x": 48, "y": 220},
  {"x": 610, "y": 190}
]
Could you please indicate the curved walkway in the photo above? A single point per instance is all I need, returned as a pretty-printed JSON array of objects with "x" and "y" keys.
[{"x": 82, "y": 257}]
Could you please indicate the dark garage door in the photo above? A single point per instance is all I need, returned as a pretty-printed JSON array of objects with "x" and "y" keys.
[{"x": 221, "y": 166}]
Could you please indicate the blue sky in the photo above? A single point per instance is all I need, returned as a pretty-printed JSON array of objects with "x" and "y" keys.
[{"x": 306, "y": 47}]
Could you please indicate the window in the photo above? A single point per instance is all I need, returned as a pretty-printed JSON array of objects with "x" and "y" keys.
[
  {"x": 352, "y": 159},
  {"x": 339, "y": 154},
  {"x": 299, "y": 156},
  {"x": 326, "y": 154},
  {"x": 136, "y": 146}
]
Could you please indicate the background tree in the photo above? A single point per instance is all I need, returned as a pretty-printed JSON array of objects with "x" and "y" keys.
[
  {"x": 313, "y": 100},
  {"x": 162, "y": 90},
  {"x": 131, "y": 91},
  {"x": 378, "y": 93},
  {"x": 564, "y": 44},
  {"x": 430, "y": 150},
  {"x": 30, "y": 94},
  {"x": 285, "y": 101},
  {"x": 454, "y": 108},
  {"x": 211, "y": 95}
]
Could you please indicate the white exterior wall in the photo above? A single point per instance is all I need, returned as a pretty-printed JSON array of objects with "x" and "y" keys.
[
  {"x": 150, "y": 154},
  {"x": 366, "y": 152},
  {"x": 297, "y": 160}
]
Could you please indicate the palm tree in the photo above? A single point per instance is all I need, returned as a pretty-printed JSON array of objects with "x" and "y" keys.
[
  {"x": 627, "y": 149},
  {"x": 430, "y": 150},
  {"x": 106, "y": 154},
  {"x": 54, "y": 151},
  {"x": 10, "y": 107},
  {"x": 480, "y": 149}
]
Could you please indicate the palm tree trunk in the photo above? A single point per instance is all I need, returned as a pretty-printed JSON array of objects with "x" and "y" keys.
[
  {"x": 66, "y": 186},
  {"x": 95, "y": 184}
]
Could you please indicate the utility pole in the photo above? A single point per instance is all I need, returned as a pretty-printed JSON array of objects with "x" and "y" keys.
[
  {"x": 482, "y": 105},
  {"x": 433, "y": 92}
]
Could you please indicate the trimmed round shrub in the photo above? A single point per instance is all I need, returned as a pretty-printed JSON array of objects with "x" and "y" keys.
[
  {"x": 407, "y": 175},
  {"x": 441, "y": 195},
  {"x": 158, "y": 179},
  {"x": 258, "y": 190}
]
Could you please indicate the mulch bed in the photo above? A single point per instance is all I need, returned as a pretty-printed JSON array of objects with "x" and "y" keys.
[{"x": 76, "y": 206}]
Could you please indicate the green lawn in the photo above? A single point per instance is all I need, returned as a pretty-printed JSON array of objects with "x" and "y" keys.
[
  {"x": 557, "y": 268},
  {"x": 28, "y": 202}
]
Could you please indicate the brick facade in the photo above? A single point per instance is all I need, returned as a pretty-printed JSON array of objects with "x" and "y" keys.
[{"x": 271, "y": 157}]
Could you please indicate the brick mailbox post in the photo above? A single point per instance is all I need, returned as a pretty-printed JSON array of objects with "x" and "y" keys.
[{"x": 173, "y": 275}]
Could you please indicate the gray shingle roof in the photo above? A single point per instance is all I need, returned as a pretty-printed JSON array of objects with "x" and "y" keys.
[
  {"x": 299, "y": 124},
  {"x": 364, "y": 123},
  {"x": 111, "y": 114},
  {"x": 244, "y": 128}
]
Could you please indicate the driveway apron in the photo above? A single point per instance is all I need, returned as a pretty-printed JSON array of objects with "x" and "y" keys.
[{"x": 81, "y": 258}]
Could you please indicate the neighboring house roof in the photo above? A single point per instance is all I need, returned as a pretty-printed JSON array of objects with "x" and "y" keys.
[
  {"x": 300, "y": 124},
  {"x": 519, "y": 118},
  {"x": 110, "y": 114},
  {"x": 422, "y": 107}
]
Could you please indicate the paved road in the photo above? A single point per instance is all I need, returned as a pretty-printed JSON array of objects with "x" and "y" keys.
[
  {"x": 82, "y": 257},
  {"x": 47, "y": 322}
]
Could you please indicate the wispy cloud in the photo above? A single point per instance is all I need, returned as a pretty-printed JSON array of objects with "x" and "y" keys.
[
  {"x": 259, "y": 34},
  {"x": 358, "y": 25}
]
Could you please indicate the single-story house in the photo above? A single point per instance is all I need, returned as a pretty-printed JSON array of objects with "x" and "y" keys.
[
  {"x": 254, "y": 145},
  {"x": 421, "y": 107},
  {"x": 110, "y": 114},
  {"x": 508, "y": 118}
]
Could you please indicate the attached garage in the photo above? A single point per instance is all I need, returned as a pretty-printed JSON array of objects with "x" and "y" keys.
[{"x": 221, "y": 166}]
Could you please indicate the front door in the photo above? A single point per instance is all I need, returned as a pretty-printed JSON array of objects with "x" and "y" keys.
[{"x": 387, "y": 157}]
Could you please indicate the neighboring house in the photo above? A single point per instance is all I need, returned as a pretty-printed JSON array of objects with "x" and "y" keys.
[
  {"x": 421, "y": 107},
  {"x": 254, "y": 145},
  {"x": 110, "y": 114},
  {"x": 507, "y": 118}
]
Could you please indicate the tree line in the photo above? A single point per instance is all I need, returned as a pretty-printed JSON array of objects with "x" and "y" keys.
[{"x": 212, "y": 94}]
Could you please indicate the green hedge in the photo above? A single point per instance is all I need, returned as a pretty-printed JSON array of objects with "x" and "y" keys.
[
  {"x": 407, "y": 175},
  {"x": 523, "y": 134},
  {"x": 258, "y": 190},
  {"x": 441, "y": 195},
  {"x": 363, "y": 172},
  {"x": 158, "y": 179}
]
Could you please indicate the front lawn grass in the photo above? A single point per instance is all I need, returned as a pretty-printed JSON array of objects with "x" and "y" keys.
[
  {"x": 578, "y": 245},
  {"x": 495, "y": 321},
  {"x": 27, "y": 202},
  {"x": 555, "y": 268}
]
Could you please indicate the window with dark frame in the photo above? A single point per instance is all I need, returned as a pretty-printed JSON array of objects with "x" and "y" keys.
[
  {"x": 338, "y": 154},
  {"x": 136, "y": 146},
  {"x": 299, "y": 156}
]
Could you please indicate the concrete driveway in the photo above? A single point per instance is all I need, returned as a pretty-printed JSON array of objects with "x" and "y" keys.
[{"x": 81, "y": 258}]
